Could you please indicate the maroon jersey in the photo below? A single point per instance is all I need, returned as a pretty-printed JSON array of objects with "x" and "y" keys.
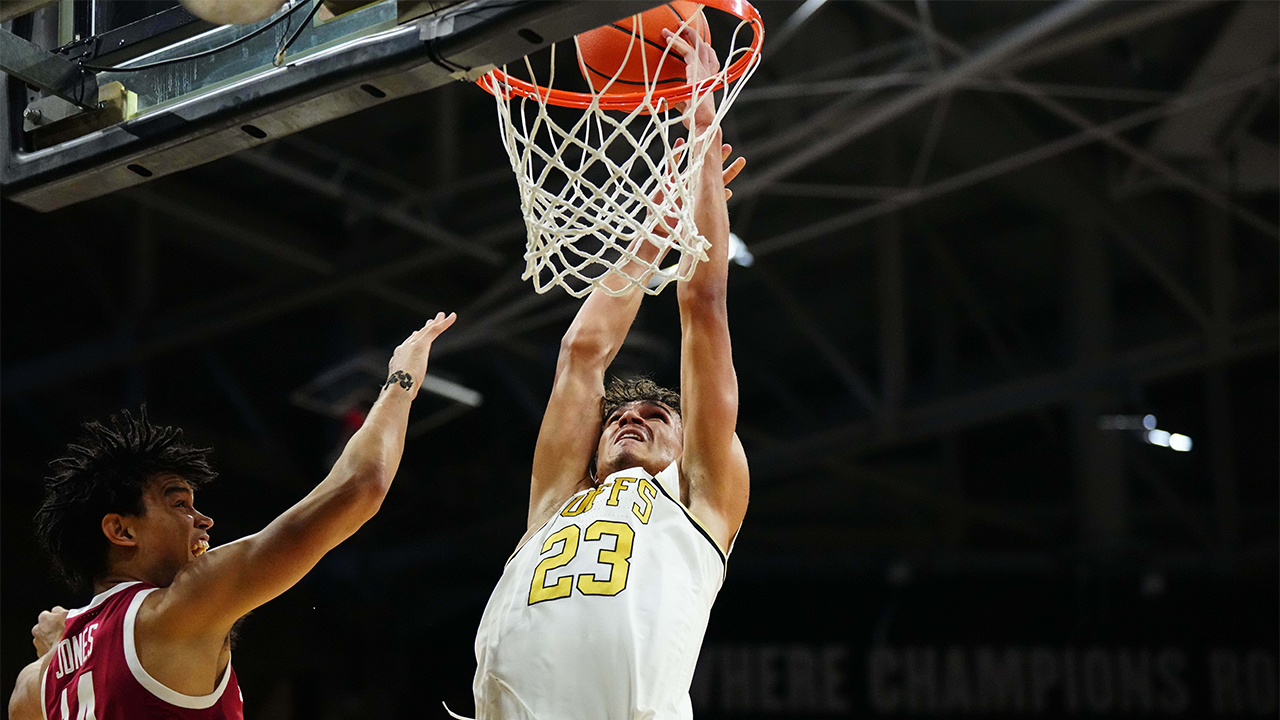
[{"x": 95, "y": 673}]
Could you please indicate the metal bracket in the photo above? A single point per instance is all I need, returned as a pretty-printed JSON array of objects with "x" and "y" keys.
[
  {"x": 473, "y": 74},
  {"x": 51, "y": 120},
  {"x": 435, "y": 27},
  {"x": 36, "y": 66}
]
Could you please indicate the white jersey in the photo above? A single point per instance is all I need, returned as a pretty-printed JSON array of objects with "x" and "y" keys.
[{"x": 600, "y": 614}]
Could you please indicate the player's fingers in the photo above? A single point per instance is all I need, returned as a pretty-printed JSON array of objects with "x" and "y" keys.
[
  {"x": 426, "y": 327},
  {"x": 676, "y": 43},
  {"x": 442, "y": 323},
  {"x": 678, "y": 149},
  {"x": 725, "y": 151},
  {"x": 732, "y": 171},
  {"x": 727, "y": 194}
]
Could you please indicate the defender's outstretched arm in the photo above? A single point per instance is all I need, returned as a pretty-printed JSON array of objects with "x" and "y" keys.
[
  {"x": 209, "y": 595},
  {"x": 713, "y": 464}
]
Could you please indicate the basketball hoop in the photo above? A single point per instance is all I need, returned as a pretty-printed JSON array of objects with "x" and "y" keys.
[{"x": 596, "y": 186}]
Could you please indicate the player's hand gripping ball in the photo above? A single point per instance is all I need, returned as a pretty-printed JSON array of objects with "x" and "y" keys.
[{"x": 614, "y": 50}]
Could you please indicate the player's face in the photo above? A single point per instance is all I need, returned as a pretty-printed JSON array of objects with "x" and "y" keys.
[
  {"x": 641, "y": 433},
  {"x": 172, "y": 532}
]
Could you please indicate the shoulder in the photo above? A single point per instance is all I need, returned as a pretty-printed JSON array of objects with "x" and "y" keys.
[
  {"x": 158, "y": 615},
  {"x": 551, "y": 503},
  {"x": 717, "y": 494}
]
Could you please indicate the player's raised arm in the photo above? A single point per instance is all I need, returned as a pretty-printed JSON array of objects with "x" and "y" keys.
[
  {"x": 208, "y": 596},
  {"x": 713, "y": 463},
  {"x": 571, "y": 425}
]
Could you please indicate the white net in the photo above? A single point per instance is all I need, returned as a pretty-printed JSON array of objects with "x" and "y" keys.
[{"x": 597, "y": 185}]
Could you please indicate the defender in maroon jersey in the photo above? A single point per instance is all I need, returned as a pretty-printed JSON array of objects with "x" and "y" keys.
[
  {"x": 98, "y": 658},
  {"x": 119, "y": 517}
]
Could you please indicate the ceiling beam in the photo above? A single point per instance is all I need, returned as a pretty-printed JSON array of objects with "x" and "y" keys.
[
  {"x": 809, "y": 328},
  {"x": 831, "y": 191},
  {"x": 792, "y": 25},
  {"x": 412, "y": 194},
  {"x": 832, "y": 117},
  {"x": 1105, "y": 29},
  {"x": 1171, "y": 357},
  {"x": 114, "y": 352},
  {"x": 973, "y": 306},
  {"x": 989, "y": 59},
  {"x": 1104, "y": 135},
  {"x": 1007, "y": 165},
  {"x": 789, "y": 91},
  {"x": 1249, "y": 39},
  {"x": 395, "y": 216},
  {"x": 263, "y": 244},
  {"x": 1163, "y": 277}
]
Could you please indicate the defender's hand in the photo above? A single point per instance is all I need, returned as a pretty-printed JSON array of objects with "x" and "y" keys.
[
  {"x": 48, "y": 629},
  {"x": 409, "y": 362}
]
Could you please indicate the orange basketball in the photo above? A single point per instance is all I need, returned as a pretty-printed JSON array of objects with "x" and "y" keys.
[{"x": 601, "y": 52}]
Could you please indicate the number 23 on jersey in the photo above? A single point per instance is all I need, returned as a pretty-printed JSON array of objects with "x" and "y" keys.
[
  {"x": 618, "y": 558},
  {"x": 588, "y": 584}
]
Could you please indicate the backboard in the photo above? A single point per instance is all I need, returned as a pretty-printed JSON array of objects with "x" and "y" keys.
[{"x": 61, "y": 146}]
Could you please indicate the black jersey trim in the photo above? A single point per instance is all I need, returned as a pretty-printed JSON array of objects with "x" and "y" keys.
[{"x": 697, "y": 525}]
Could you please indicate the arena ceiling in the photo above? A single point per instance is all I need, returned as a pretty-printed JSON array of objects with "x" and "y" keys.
[{"x": 977, "y": 227}]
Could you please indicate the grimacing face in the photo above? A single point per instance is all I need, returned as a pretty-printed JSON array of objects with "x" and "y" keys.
[
  {"x": 641, "y": 433},
  {"x": 171, "y": 533}
]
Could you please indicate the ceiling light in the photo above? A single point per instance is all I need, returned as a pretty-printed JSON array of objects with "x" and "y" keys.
[{"x": 738, "y": 251}]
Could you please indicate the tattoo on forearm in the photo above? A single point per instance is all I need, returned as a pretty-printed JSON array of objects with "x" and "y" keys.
[{"x": 401, "y": 378}]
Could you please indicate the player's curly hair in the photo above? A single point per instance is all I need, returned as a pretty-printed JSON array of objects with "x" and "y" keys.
[
  {"x": 622, "y": 391},
  {"x": 106, "y": 471}
]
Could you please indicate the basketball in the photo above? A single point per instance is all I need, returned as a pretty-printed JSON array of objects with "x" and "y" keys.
[{"x": 602, "y": 53}]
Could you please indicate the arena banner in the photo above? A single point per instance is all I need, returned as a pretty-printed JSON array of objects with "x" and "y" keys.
[
  {"x": 1043, "y": 680},
  {"x": 1063, "y": 643}
]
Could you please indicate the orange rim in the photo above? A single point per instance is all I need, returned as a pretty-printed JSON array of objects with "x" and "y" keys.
[{"x": 630, "y": 101}]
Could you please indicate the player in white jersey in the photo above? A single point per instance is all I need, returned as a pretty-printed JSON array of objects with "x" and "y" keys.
[{"x": 636, "y": 495}]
